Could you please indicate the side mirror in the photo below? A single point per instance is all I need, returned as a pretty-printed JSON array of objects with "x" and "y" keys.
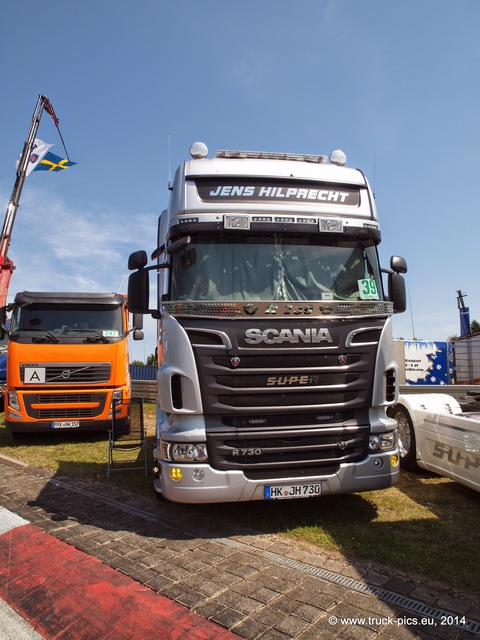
[
  {"x": 137, "y": 326},
  {"x": 137, "y": 260},
  {"x": 179, "y": 244},
  {"x": 398, "y": 264},
  {"x": 397, "y": 292},
  {"x": 138, "y": 320},
  {"x": 138, "y": 292}
]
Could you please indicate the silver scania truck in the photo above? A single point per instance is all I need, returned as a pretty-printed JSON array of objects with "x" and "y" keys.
[{"x": 275, "y": 351}]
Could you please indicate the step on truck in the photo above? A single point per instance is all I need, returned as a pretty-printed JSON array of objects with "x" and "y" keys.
[
  {"x": 67, "y": 362},
  {"x": 275, "y": 350}
]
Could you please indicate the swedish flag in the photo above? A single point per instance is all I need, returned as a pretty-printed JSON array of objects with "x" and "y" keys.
[{"x": 51, "y": 162}]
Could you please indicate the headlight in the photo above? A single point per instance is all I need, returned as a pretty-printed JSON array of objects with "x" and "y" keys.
[
  {"x": 117, "y": 397},
  {"x": 184, "y": 452},
  {"x": 13, "y": 400},
  {"x": 382, "y": 441}
]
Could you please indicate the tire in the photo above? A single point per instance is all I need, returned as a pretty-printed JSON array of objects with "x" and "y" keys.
[{"x": 406, "y": 438}]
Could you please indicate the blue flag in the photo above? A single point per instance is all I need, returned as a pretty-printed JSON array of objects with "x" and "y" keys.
[{"x": 51, "y": 162}]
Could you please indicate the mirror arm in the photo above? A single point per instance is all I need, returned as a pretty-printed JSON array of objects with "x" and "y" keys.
[{"x": 157, "y": 267}]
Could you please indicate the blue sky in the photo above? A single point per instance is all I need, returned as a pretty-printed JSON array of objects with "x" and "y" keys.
[{"x": 396, "y": 85}]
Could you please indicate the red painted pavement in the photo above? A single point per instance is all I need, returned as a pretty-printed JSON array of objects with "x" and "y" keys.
[{"x": 66, "y": 594}]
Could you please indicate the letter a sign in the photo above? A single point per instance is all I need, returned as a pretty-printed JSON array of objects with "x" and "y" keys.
[{"x": 34, "y": 375}]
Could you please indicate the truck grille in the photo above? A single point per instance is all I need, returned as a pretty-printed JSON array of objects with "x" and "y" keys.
[
  {"x": 76, "y": 405},
  {"x": 324, "y": 447},
  {"x": 291, "y": 379},
  {"x": 284, "y": 410},
  {"x": 67, "y": 373}
]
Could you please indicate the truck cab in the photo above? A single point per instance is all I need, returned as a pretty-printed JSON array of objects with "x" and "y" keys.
[{"x": 67, "y": 363}]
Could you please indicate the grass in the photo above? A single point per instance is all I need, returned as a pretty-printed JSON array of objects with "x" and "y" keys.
[{"x": 425, "y": 525}]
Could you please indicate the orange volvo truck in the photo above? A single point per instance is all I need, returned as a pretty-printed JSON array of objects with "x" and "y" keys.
[{"x": 67, "y": 362}]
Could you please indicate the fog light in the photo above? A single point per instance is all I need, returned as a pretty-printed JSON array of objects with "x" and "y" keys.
[
  {"x": 378, "y": 463},
  {"x": 394, "y": 460},
  {"x": 198, "y": 474},
  {"x": 176, "y": 473}
]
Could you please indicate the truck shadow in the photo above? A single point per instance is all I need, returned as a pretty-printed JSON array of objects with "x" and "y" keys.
[{"x": 418, "y": 526}]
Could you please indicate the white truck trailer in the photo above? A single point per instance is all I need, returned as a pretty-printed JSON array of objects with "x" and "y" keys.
[
  {"x": 435, "y": 434},
  {"x": 275, "y": 350}
]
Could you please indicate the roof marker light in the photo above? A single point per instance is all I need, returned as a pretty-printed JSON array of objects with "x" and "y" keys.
[
  {"x": 338, "y": 157},
  {"x": 199, "y": 151}
]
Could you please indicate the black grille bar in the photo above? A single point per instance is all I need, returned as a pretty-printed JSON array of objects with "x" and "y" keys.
[
  {"x": 66, "y": 398},
  {"x": 300, "y": 379},
  {"x": 60, "y": 414},
  {"x": 285, "y": 419},
  {"x": 286, "y": 399},
  {"x": 276, "y": 361}
]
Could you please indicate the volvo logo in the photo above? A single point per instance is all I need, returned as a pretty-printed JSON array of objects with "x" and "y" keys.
[{"x": 65, "y": 374}]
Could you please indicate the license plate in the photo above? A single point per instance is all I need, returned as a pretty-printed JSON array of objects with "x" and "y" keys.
[
  {"x": 286, "y": 491},
  {"x": 66, "y": 424}
]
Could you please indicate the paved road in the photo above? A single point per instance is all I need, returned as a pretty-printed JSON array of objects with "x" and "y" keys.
[{"x": 233, "y": 582}]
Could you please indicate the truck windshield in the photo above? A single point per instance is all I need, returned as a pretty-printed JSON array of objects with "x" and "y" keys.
[
  {"x": 275, "y": 268},
  {"x": 88, "y": 321}
]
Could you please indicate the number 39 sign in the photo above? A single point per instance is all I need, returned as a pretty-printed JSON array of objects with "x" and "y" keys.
[{"x": 368, "y": 289}]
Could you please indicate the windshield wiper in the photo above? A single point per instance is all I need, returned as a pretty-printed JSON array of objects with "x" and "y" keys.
[
  {"x": 92, "y": 338},
  {"x": 47, "y": 336}
]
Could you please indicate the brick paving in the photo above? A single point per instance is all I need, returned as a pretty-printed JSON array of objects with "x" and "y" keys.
[{"x": 258, "y": 586}]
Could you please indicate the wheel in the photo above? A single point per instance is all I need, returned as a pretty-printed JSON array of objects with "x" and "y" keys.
[{"x": 406, "y": 436}]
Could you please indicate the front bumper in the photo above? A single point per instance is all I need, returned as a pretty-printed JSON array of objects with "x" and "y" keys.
[{"x": 377, "y": 471}]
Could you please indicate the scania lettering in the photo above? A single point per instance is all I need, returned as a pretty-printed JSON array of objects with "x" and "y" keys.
[
  {"x": 294, "y": 336},
  {"x": 67, "y": 363},
  {"x": 275, "y": 350}
]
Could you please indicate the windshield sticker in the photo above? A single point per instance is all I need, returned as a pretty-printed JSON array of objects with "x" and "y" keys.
[
  {"x": 368, "y": 289},
  {"x": 110, "y": 333}
]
